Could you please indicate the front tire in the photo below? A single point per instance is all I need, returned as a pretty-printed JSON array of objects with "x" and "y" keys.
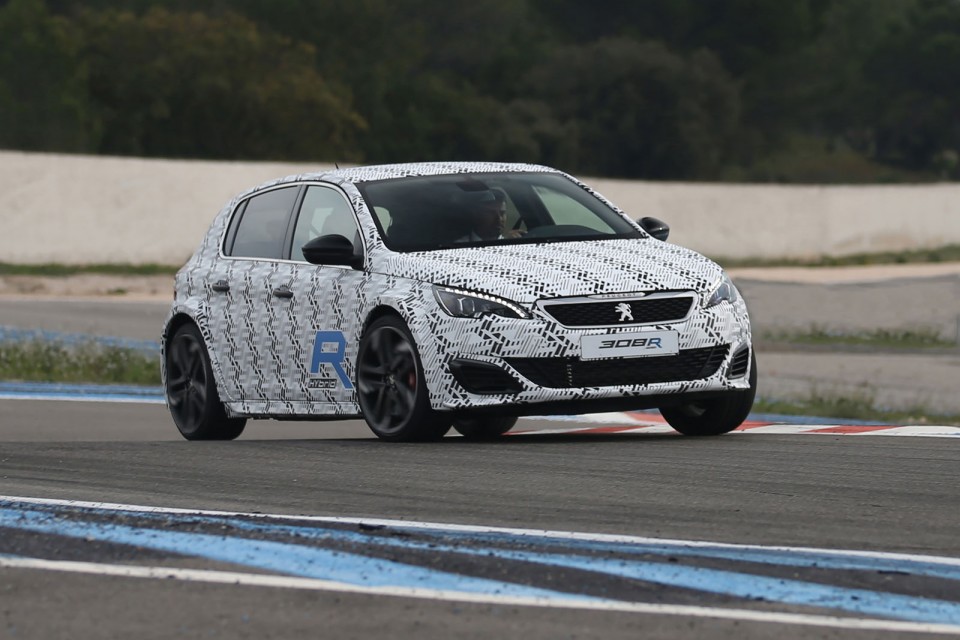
[
  {"x": 717, "y": 416},
  {"x": 391, "y": 388},
  {"x": 481, "y": 427},
  {"x": 191, "y": 391}
]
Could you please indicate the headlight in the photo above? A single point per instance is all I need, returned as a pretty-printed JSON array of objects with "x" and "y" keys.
[
  {"x": 469, "y": 304},
  {"x": 723, "y": 292}
]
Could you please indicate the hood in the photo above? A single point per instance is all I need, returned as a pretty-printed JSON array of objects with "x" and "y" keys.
[{"x": 528, "y": 272}]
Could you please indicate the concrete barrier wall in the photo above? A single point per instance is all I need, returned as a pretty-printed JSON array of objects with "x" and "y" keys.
[{"x": 82, "y": 209}]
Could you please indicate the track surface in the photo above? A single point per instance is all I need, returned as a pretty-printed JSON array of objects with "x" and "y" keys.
[{"x": 828, "y": 492}]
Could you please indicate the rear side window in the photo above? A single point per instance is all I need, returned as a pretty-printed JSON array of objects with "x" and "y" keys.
[{"x": 263, "y": 225}]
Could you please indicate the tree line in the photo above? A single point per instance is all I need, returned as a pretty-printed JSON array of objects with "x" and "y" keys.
[{"x": 751, "y": 90}]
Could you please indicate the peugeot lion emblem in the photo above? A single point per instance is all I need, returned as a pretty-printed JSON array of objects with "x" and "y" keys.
[{"x": 625, "y": 312}]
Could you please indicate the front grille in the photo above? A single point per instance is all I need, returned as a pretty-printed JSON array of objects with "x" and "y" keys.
[
  {"x": 483, "y": 378},
  {"x": 739, "y": 363},
  {"x": 565, "y": 373},
  {"x": 606, "y": 313}
]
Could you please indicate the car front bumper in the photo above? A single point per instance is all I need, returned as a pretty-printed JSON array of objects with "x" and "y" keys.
[{"x": 544, "y": 361}]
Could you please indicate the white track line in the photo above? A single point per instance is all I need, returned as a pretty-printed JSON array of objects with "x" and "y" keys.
[
  {"x": 467, "y": 528},
  {"x": 81, "y": 398},
  {"x": 285, "y": 582},
  {"x": 652, "y": 423}
]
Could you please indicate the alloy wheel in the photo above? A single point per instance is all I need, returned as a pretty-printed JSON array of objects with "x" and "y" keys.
[
  {"x": 187, "y": 381},
  {"x": 387, "y": 379}
]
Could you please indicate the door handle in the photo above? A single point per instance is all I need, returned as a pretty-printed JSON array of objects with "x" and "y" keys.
[
  {"x": 220, "y": 286},
  {"x": 283, "y": 291}
]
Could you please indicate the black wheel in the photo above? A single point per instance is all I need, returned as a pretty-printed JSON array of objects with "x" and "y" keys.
[
  {"x": 480, "y": 427},
  {"x": 717, "y": 416},
  {"x": 191, "y": 391},
  {"x": 390, "y": 385}
]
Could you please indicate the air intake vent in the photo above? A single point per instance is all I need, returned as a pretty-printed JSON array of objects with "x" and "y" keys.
[
  {"x": 565, "y": 373},
  {"x": 739, "y": 363},
  {"x": 483, "y": 378},
  {"x": 654, "y": 309}
]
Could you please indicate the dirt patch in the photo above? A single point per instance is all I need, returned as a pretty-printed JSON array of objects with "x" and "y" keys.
[
  {"x": 847, "y": 275},
  {"x": 90, "y": 285}
]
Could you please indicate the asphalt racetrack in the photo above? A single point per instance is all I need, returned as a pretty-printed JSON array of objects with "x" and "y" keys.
[{"x": 111, "y": 526}]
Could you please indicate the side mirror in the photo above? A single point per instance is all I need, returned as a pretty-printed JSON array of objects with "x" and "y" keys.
[
  {"x": 656, "y": 228},
  {"x": 332, "y": 250}
]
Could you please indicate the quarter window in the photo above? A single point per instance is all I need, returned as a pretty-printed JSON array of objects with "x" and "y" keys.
[{"x": 263, "y": 225}]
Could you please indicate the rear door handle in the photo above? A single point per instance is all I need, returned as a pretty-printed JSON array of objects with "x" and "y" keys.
[
  {"x": 283, "y": 291},
  {"x": 220, "y": 286}
]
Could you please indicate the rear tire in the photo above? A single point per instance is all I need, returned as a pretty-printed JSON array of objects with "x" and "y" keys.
[
  {"x": 480, "y": 427},
  {"x": 192, "y": 392},
  {"x": 391, "y": 387},
  {"x": 717, "y": 416}
]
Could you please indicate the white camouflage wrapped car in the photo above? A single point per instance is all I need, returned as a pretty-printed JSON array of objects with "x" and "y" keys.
[{"x": 425, "y": 296}]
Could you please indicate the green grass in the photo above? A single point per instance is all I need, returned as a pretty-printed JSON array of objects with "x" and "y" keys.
[
  {"x": 948, "y": 253},
  {"x": 61, "y": 270},
  {"x": 917, "y": 338},
  {"x": 858, "y": 405},
  {"x": 88, "y": 362}
]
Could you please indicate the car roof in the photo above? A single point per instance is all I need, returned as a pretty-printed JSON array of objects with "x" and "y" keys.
[
  {"x": 411, "y": 169},
  {"x": 372, "y": 173}
]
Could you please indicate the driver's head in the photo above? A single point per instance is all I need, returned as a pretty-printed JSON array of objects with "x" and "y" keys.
[{"x": 488, "y": 215}]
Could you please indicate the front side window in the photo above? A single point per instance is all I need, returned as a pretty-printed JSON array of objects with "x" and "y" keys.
[
  {"x": 324, "y": 212},
  {"x": 445, "y": 212},
  {"x": 263, "y": 225}
]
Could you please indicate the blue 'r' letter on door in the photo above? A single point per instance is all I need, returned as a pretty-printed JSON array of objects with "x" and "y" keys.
[{"x": 332, "y": 356}]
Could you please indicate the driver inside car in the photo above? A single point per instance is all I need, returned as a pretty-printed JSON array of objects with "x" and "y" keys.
[{"x": 488, "y": 216}]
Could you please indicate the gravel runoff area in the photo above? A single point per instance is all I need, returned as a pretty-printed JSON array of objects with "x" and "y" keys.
[{"x": 845, "y": 299}]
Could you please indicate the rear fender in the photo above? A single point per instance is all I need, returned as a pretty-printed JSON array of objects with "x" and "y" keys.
[{"x": 196, "y": 313}]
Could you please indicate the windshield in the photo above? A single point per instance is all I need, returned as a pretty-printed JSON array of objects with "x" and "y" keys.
[{"x": 446, "y": 212}]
